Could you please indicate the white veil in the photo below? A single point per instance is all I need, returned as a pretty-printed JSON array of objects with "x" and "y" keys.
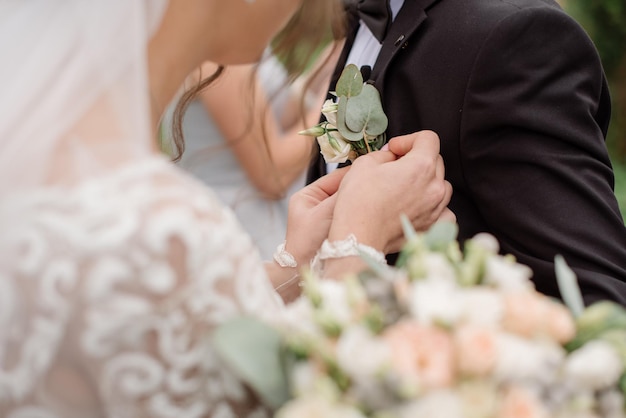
[{"x": 74, "y": 94}]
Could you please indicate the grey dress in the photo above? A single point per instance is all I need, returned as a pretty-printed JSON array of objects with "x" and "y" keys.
[{"x": 209, "y": 159}]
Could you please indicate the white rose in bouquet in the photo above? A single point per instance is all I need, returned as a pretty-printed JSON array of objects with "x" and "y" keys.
[
  {"x": 361, "y": 354},
  {"x": 435, "y": 302},
  {"x": 435, "y": 404},
  {"x": 528, "y": 360},
  {"x": 594, "y": 366},
  {"x": 508, "y": 275},
  {"x": 482, "y": 306},
  {"x": 316, "y": 407}
]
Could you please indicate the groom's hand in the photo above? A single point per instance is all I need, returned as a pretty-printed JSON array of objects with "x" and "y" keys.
[
  {"x": 402, "y": 145},
  {"x": 407, "y": 178}
]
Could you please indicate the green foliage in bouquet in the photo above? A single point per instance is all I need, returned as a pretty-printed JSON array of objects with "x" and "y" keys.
[
  {"x": 603, "y": 321},
  {"x": 450, "y": 331},
  {"x": 265, "y": 369}
]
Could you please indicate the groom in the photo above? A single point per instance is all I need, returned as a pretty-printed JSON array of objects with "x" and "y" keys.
[{"x": 516, "y": 92}]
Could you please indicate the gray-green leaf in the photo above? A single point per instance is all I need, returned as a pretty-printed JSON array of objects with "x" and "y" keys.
[
  {"x": 252, "y": 350},
  {"x": 407, "y": 227},
  {"x": 568, "y": 286},
  {"x": 350, "y": 82},
  {"x": 365, "y": 112},
  {"x": 343, "y": 129},
  {"x": 441, "y": 234}
]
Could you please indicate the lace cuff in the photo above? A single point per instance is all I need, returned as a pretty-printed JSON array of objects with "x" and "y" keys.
[
  {"x": 283, "y": 257},
  {"x": 345, "y": 248}
]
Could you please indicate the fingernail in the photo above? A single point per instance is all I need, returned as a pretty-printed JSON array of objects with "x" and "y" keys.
[{"x": 385, "y": 147}]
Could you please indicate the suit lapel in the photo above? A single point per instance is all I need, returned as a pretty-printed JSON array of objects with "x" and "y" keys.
[{"x": 411, "y": 16}]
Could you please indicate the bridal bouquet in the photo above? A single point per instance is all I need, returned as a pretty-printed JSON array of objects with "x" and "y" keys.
[
  {"x": 449, "y": 333},
  {"x": 355, "y": 122}
]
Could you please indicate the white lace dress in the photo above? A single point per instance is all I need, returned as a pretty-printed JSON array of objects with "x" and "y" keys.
[{"x": 110, "y": 291}]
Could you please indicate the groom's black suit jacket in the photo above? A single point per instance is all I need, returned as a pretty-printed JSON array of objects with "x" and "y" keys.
[{"x": 517, "y": 94}]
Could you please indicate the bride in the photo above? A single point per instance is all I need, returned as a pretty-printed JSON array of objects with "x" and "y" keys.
[{"x": 115, "y": 266}]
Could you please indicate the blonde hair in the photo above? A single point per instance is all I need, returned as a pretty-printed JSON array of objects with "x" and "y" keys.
[{"x": 313, "y": 26}]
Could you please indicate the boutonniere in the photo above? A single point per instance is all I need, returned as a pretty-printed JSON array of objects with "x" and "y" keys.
[{"x": 355, "y": 121}]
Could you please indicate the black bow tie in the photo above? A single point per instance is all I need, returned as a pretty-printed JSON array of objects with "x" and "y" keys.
[{"x": 376, "y": 14}]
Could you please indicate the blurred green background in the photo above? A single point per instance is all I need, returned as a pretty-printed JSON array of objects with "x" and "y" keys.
[{"x": 605, "y": 21}]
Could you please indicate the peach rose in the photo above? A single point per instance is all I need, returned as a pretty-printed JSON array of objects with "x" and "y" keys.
[
  {"x": 422, "y": 353},
  {"x": 520, "y": 403},
  {"x": 402, "y": 288},
  {"x": 476, "y": 349},
  {"x": 559, "y": 323},
  {"x": 524, "y": 313}
]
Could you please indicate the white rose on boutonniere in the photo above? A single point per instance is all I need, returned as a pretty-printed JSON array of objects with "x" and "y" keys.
[
  {"x": 329, "y": 110},
  {"x": 356, "y": 120},
  {"x": 334, "y": 147}
]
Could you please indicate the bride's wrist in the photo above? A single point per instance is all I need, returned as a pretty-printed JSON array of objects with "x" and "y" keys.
[
  {"x": 285, "y": 280},
  {"x": 295, "y": 252}
]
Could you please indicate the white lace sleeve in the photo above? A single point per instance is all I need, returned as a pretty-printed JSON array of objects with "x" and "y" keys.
[{"x": 111, "y": 294}]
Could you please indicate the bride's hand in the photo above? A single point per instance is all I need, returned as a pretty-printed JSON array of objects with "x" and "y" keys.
[{"x": 310, "y": 216}]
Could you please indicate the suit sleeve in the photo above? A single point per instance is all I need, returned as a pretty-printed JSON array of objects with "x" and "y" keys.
[{"x": 533, "y": 152}]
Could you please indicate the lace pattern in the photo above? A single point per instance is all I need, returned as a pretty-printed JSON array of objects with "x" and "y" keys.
[{"x": 109, "y": 293}]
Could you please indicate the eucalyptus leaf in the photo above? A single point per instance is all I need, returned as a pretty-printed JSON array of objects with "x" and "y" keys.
[
  {"x": 441, "y": 234},
  {"x": 252, "y": 350},
  {"x": 407, "y": 228},
  {"x": 346, "y": 132},
  {"x": 568, "y": 286},
  {"x": 411, "y": 236},
  {"x": 381, "y": 270},
  {"x": 360, "y": 147},
  {"x": 350, "y": 82},
  {"x": 378, "y": 142},
  {"x": 364, "y": 113}
]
